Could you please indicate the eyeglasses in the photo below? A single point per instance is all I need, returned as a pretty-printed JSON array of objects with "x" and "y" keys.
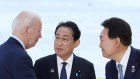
[{"x": 64, "y": 39}]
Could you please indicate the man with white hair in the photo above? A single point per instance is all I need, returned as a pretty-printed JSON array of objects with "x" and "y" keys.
[{"x": 15, "y": 63}]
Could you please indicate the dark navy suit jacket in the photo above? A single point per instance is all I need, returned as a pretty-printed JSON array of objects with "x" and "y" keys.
[
  {"x": 81, "y": 68},
  {"x": 15, "y": 63},
  {"x": 132, "y": 70}
]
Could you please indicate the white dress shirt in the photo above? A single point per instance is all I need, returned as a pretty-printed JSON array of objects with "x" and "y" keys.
[
  {"x": 69, "y": 62},
  {"x": 124, "y": 61}
]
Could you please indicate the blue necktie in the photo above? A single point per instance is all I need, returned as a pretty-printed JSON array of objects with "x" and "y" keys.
[
  {"x": 63, "y": 71},
  {"x": 120, "y": 71}
]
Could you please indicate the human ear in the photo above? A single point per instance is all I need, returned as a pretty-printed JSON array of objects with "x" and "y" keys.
[
  {"x": 118, "y": 41},
  {"x": 77, "y": 42}
]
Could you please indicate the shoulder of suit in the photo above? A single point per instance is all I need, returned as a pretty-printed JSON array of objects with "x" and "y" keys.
[
  {"x": 136, "y": 52},
  {"x": 47, "y": 58},
  {"x": 83, "y": 60},
  {"x": 111, "y": 63}
]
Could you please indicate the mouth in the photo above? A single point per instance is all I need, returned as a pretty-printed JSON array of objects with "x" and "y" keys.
[
  {"x": 102, "y": 50},
  {"x": 59, "y": 49}
]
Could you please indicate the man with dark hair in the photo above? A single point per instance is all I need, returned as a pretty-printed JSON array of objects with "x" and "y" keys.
[
  {"x": 64, "y": 64},
  {"x": 115, "y": 42}
]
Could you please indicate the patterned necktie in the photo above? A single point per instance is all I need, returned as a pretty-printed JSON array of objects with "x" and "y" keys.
[
  {"x": 120, "y": 71},
  {"x": 63, "y": 71}
]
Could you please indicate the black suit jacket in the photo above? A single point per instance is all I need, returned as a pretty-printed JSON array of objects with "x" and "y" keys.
[
  {"x": 131, "y": 72},
  {"x": 15, "y": 63},
  {"x": 81, "y": 66}
]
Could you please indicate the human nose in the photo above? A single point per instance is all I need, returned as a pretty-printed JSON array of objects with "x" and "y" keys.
[
  {"x": 100, "y": 44},
  {"x": 59, "y": 41}
]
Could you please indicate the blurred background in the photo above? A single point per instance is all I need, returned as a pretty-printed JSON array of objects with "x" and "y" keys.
[{"x": 88, "y": 14}]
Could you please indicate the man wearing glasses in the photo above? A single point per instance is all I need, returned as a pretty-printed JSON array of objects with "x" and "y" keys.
[{"x": 64, "y": 64}]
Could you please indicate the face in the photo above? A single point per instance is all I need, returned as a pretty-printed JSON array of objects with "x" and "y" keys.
[
  {"x": 107, "y": 45},
  {"x": 34, "y": 33},
  {"x": 64, "y": 43}
]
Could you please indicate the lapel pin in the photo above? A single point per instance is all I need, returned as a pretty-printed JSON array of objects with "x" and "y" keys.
[
  {"x": 79, "y": 71},
  {"x": 133, "y": 69},
  {"x": 52, "y": 70},
  {"x": 76, "y": 74}
]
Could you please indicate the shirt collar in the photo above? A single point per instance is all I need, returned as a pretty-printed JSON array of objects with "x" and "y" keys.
[
  {"x": 68, "y": 61},
  {"x": 125, "y": 58},
  {"x": 13, "y": 36}
]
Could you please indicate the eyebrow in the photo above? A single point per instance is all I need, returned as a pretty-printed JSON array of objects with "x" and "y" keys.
[{"x": 63, "y": 35}]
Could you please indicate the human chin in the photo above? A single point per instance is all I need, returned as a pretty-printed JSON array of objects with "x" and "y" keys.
[
  {"x": 104, "y": 54},
  {"x": 59, "y": 53}
]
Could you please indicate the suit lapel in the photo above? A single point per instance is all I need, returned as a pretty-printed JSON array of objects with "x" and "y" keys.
[
  {"x": 114, "y": 71},
  {"x": 53, "y": 68},
  {"x": 75, "y": 72},
  {"x": 132, "y": 64}
]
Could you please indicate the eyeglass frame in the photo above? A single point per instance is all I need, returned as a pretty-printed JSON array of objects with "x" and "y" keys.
[{"x": 64, "y": 39}]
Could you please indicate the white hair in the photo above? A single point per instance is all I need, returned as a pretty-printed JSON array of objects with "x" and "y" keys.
[
  {"x": 18, "y": 23},
  {"x": 25, "y": 18}
]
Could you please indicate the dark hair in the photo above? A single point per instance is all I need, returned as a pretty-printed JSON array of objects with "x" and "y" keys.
[
  {"x": 118, "y": 28},
  {"x": 73, "y": 26}
]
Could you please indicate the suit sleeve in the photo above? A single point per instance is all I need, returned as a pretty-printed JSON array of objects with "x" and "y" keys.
[
  {"x": 92, "y": 72},
  {"x": 23, "y": 68}
]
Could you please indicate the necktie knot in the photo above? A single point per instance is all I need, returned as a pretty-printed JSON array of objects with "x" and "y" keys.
[
  {"x": 119, "y": 66},
  {"x": 64, "y": 64}
]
